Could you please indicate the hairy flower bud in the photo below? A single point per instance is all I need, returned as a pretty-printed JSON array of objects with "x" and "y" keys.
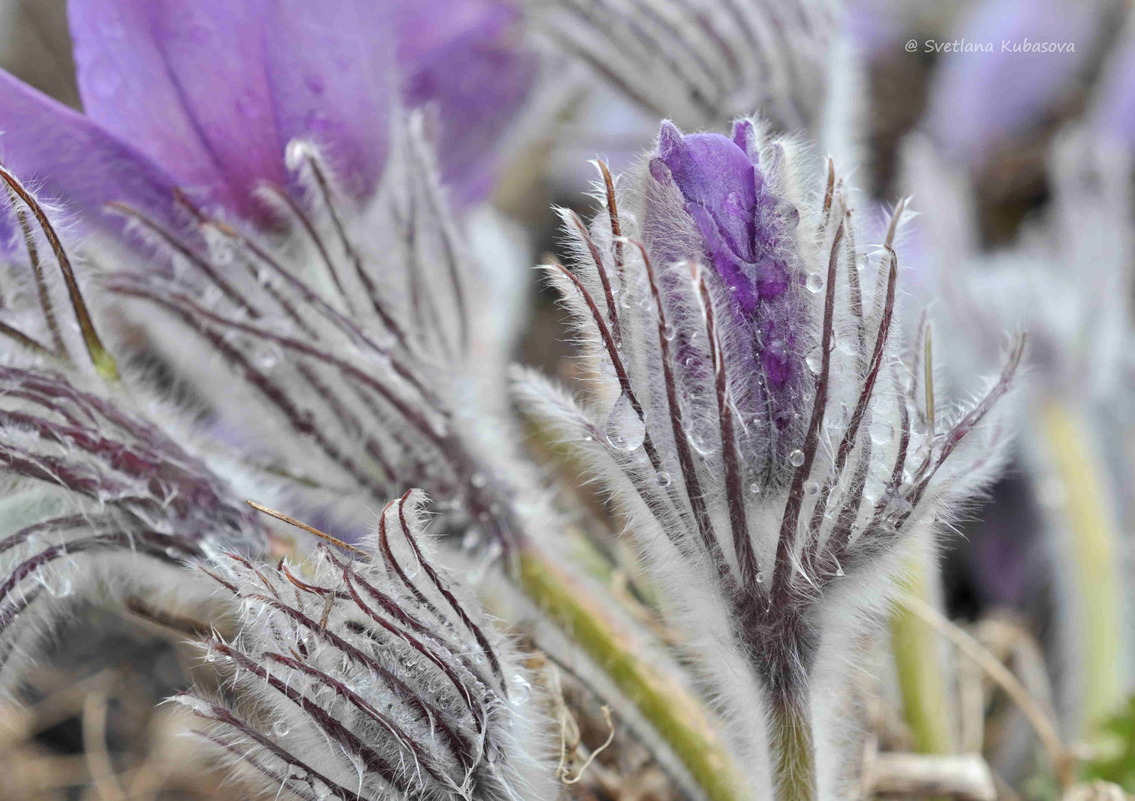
[
  {"x": 770, "y": 437},
  {"x": 372, "y": 679}
]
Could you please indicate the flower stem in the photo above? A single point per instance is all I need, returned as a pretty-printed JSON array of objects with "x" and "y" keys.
[
  {"x": 795, "y": 761},
  {"x": 669, "y": 709},
  {"x": 926, "y": 707},
  {"x": 1094, "y": 561}
]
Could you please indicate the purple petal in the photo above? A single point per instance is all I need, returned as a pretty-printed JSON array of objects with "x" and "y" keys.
[
  {"x": 740, "y": 227},
  {"x": 185, "y": 82},
  {"x": 982, "y": 98},
  {"x": 464, "y": 57},
  {"x": 67, "y": 157},
  {"x": 330, "y": 74},
  {"x": 713, "y": 173}
]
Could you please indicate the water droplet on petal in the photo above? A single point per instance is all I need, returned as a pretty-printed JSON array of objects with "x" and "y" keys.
[
  {"x": 815, "y": 282},
  {"x": 663, "y": 478},
  {"x": 625, "y": 430},
  {"x": 754, "y": 488},
  {"x": 760, "y": 577},
  {"x": 280, "y": 728},
  {"x": 796, "y": 458},
  {"x": 811, "y": 488}
]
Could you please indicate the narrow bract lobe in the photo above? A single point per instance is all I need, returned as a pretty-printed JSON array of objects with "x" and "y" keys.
[{"x": 772, "y": 438}]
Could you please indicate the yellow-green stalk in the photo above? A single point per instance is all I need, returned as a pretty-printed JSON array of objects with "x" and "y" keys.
[
  {"x": 1091, "y": 549},
  {"x": 922, "y": 683},
  {"x": 674, "y": 715}
]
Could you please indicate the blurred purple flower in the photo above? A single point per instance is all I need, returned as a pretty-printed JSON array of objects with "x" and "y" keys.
[
  {"x": 465, "y": 57},
  {"x": 982, "y": 98},
  {"x": 207, "y": 95},
  {"x": 1114, "y": 111}
]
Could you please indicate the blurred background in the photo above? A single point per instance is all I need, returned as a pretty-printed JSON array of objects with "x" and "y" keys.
[{"x": 1011, "y": 123}]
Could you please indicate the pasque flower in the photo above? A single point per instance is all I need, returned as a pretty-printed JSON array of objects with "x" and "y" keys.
[
  {"x": 159, "y": 113},
  {"x": 371, "y": 678},
  {"x": 328, "y": 317},
  {"x": 762, "y": 424},
  {"x": 96, "y": 494}
]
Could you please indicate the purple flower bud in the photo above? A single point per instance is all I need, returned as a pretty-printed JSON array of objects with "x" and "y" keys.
[{"x": 741, "y": 229}]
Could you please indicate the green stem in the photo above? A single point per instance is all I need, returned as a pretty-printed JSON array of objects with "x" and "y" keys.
[
  {"x": 1093, "y": 555},
  {"x": 922, "y": 685},
  {"x": 669, "y": 709},
  {"x": 795, "y": 768}
]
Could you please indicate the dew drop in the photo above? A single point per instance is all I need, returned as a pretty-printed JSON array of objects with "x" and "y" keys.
[
  {"x": 815, "y": 359},
  {"x": 881, "y": 434},
  {"x": 814, "y": 282},
  {"x": 796, "y": 458},
  {"x": 478, "y": 480},
  {"x": 523, "y": 690},
  {"x": 280, "y": 728},
  {"x": 760, "y": 577},
  {"x": 625, "y": 430},
  {"x": 663, "y": 478},
  {"x": 754, "y": 488},
  {"x": 811, "y": 488},
  {"x": 268, "y": 356},
  {"x": 839, "y": 570},
  {"x": 703, "y": 441}
]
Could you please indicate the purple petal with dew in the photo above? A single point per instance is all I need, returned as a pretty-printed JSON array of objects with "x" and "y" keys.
[
  {"x": 982, "y": 98},
  {"x": 331, "y": 79},
  {"x": 740, "y": 227},
  {"x": 187, "y": 84},
  {"x": 465, "y": 58},
  {"x": 68, "y": 157}
]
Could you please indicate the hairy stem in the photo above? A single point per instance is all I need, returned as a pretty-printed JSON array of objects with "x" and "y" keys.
[
  {"x": 914, "y": 643},
  {"x": 793, "y": 750},
  {"x": 1092, "y": 549},
  {"x": 665, "y": 705}
]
